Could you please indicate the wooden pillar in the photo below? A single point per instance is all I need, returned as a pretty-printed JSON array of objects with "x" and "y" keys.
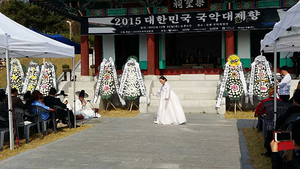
[
  {"x": 84, "y": 55},
  {"x": 157, "y": 71},
  {"x": 151, "y": 61},
  {"x": 229, "y": 41},
  {"x": 98, "y": 52}
]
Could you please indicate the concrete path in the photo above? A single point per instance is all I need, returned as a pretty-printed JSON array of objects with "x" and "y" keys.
[{"x": 206, "y": 141}]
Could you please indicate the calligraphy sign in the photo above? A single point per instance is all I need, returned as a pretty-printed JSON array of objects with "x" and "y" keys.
[
  {"x": 182, "y": 22},
  {"x": 188, "y": 5}
]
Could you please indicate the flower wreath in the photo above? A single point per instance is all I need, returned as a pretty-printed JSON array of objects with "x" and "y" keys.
[
  {"x": 31, "y": 79},
  {"x": 260, "y": 78},
  {"x": 107, "y": 83},
  {"x": 47, "y": 78},
  {"x": 16, "y": 75},
  {"x": 132, "y": 84},
  {"x": 233, "y": 80}
]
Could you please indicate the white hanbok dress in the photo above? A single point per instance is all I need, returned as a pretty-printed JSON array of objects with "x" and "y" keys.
[
  {"x": 85, "y": 111},
  {"x": 169, "y": 111}
]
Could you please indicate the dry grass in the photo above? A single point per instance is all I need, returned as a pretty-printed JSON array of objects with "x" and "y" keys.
[
  {"x": 58, "y": 62},
  {"x": 35, "y": 142},
  {"x": 255, "y": 145},
  {"x": 119, "y": 113},
  {"x": 239, "y": 115}
]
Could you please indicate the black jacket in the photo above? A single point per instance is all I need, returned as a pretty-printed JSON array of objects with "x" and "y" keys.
[
  {"x": 281, "y": 119},
  {"x": 51, "y": 101},
  {"x": 278, "y": 164}
]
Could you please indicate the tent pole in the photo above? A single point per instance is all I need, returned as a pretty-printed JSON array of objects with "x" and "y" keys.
[
  {"x": 275, "y": 83},
  {"x": 74, "y": 106},
  {"x": 10, "y": 117}
]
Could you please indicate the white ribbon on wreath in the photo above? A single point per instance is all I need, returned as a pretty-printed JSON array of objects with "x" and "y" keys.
[
  {"x": 223, "y": 85},
  {"x": 258, "y": 60},
  {"x": 242, "y": 77},
  {"x": 116, "y": 81},
  {"x": 99, "y": 80},
  {"x": 37, "y": 69}
]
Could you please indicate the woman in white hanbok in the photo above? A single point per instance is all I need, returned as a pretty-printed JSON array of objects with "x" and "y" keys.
[
  {"x": 82, "y": 108},
  {"x": 170, "y": 110}
]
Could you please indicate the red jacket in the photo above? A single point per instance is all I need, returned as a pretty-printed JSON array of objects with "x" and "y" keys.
[{"x": 259, "y": 106}]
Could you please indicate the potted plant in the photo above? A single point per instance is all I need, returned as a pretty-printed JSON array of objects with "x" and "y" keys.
[
  {"x": 93, "y": 71},
  {"x": 65, "y": 67}
]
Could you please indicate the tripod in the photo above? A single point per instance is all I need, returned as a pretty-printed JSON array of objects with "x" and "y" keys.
[
  {"x": 110, "y": 103},
  {"x": 131, "y": 104},
  {"x": 234, "y": 105}
]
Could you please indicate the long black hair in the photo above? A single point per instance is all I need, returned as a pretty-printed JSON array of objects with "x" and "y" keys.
[{"x": 163, "y": 78}]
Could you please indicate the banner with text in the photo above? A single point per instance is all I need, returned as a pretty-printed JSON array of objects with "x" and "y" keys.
[
  {"x": 182, "y": 22},
  {"x": 188, "y": 5}
]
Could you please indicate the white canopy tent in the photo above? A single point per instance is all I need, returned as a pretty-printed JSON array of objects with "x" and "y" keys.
[
  {"x": 16, "y": 41},
  {"x": 282, "y": 39}
]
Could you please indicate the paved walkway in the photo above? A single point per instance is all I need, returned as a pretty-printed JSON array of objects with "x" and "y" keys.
[{"x": 206, "y": 141}]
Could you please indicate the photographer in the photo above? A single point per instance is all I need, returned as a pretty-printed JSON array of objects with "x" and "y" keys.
[
  {"x": 294, "y": 162},
  {"x": 285, "y": 84}
]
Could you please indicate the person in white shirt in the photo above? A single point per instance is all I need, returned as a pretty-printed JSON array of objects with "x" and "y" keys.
[{"x": 285, "y": 84}]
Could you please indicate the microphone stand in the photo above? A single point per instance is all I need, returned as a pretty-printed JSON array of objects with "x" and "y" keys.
[{"x": 93, "y": 108}]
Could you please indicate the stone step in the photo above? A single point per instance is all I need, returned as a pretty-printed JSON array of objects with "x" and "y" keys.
[
  {"x": 190, "y": 103},
  {"x": 210, "y": 90},
  {"x": 84, "y": 84},
  {"x": 212, "y": 77},
  {"x": 179, "y": 83},
  {"x": 209, "y": 110},
  {"x": 89, "y": 91},
  {"x": 192, "y": 96},
  {"x": 187, "y": 77}
]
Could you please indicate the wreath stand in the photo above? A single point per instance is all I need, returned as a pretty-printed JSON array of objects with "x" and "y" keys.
[
  {"x": 131, "y": 104},
  {"x": 110, "y": 103},
  {"x": 234, "y": 105}
]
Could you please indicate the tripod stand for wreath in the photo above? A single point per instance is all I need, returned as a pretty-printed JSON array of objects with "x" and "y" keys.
[
  {"x": 132, "y": 99},
  {"x": 108, "y": 102}
]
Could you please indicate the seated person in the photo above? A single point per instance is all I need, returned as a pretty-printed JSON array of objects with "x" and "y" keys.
[
  {"x": 3, "y": 105},
  {"x": 30, "y": 100},
  {"x": 51, "y": 101},
  {"x": 82, "y": 108},
  {"x": 27, "y": 98},
  {"x": 15, "y": 99},
  {"x": 292, "y": 99},
  {"x": 265, "y": 101},
  {"x": 276, "y": 159},
  {"x": 281, "y": 119},
  {"x": 291, "y": 110},
  {"x": 39, "y": 102},
  {"x": 3, "y": 110}
]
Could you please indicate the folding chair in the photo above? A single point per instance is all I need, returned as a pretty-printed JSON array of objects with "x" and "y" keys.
[
  {"x": 289, "y": 121},
  {"x": 19, "y": 119},
  {"x": 58, "y": 108},
  {"x": 37, "y": 110},
  {"x": 3, "y": 131},
  {"x": 268, "y": 119}
]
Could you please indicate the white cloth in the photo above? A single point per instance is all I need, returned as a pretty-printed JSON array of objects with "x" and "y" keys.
[
  {"x": 68, "y": 105},
  {"x": 169, "y": 111},
  {"x": 285, "y": 85},
  {"x": 85, "y": 111}
]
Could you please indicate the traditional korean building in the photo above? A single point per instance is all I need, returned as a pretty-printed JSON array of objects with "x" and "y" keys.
[{"x": 173, "y": 36}]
